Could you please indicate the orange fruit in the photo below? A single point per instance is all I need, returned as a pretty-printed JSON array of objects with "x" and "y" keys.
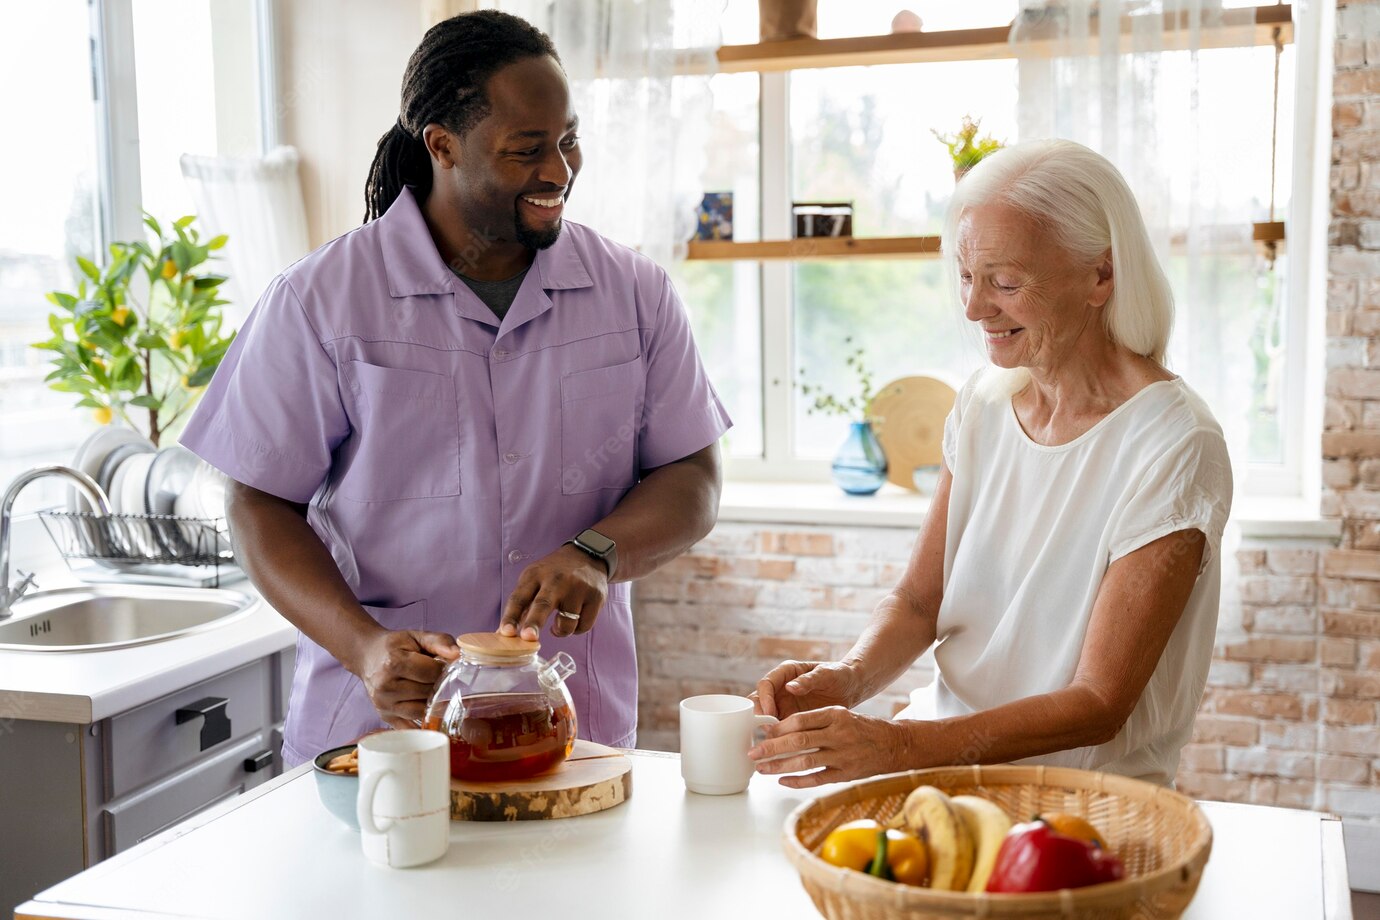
[{"x": 1073, "y": 826}]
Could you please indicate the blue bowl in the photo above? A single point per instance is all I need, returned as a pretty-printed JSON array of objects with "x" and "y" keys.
[{"x": 338, "y": 791}]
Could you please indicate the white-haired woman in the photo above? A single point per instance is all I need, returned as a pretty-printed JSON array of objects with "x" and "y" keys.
[{"x": 1068, "y": 571}]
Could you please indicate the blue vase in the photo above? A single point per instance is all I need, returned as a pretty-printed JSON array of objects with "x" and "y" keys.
[{"x": 860, "y": 466}]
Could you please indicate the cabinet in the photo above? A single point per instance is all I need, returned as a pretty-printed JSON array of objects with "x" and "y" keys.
[{"x": 73, "y": 795}]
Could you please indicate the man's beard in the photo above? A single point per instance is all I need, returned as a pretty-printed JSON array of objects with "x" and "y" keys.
[{"x": 535, "y": 239}]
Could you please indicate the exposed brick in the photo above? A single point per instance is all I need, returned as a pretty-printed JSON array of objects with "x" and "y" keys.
[
  {"x": 1369, "y": 655},
  {"x": 1344, "y": 176},
  {"x": 723, "y": 592},
  {"x": 1363, "y": 535},
  {"x": 1338, "y": 324},
  {"x": 1272, "y": 590},
  {"x": 858, "y": 598},
  {"x": 1355, "y": 82},
  {"x": 1262, "y": 762},
  {"x": 1351, "y": 563},
  {"x": 797, "y": 649},
  {"x": 1348, "y": 712},
  {"x": 1362, "y": 685},
  {"x": 1335, "y": 592},
  {"x": 1341, "y": 414},
  {"x": 1293, "y": 620},
  {"x": 1202, "y": 758},
  {"x": 1334, "y": 769},
  {"x": 1229, "y": 674},
  {"x": 749, "y": 567},
  {"x": 1289, "y": 736},
  {"x": 1339, "y": 474},
  {"x": 1358, "y": 802},
  {"x": 1291, "y": 678},
  {"x": 1361, "y": 503},
  {"x": 1292, "y": 561},
  {"x": 1337, "y": 652},
  {"x": 796, "y": 543},
  {"x": 1209, "y": 729},
  {"x": 794, "y": 594},
  {"x": 1258, "y": 705},
  {"x": 1251, "y": 562},
  {"x": 1368, "y": 235},
  {"x": 1365, "y": 595},
  {"x": 1272, "y": 648},
  {"x": 1347, "y": 115},
  {"x": 1350, "y": 443},
  {"x": 1347, "y": 623},
  {"x": 838, "y": 571},
  {"x": 1213, "y": 786}
]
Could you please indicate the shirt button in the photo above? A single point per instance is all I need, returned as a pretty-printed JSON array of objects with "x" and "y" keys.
[
  {"x": 511, "y": 457},
  {"x": 515, "y": 556},
  {"x": 501, "y": 352}
]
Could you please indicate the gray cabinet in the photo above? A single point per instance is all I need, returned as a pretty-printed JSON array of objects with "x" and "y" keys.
[{"x": 72, "y": 795}]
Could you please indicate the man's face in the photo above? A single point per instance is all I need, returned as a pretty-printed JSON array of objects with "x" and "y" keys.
[{"x": 516, "y": 167}]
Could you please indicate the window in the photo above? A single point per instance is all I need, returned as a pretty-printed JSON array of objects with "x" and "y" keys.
[
  {"x": 128, "y": 86},
  {"x": 863, "y": 134}
]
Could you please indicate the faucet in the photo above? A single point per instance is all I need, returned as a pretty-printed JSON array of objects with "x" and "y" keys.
[{"x": 94, "y": 493}]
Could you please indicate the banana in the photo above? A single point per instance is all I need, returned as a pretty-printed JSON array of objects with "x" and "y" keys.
[
  {"x": 988, "y": 825},
  {"x": 930, "y": 816}
]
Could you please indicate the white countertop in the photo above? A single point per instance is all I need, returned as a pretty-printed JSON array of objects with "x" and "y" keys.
[
  {"x": 277, "y": 853},
  {"x": 84, "y": 687}
]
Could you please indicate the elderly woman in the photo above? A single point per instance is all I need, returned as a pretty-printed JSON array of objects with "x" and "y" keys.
[{"x": 1068, "y": 572}]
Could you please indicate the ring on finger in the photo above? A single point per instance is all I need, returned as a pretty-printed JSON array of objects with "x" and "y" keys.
[{"x": 568, "y": 615}]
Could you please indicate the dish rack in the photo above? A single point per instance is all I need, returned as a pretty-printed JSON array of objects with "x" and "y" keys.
[{"x": 134, "y": 542}]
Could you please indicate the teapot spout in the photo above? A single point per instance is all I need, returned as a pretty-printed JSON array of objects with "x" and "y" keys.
[{"x": 555, "y": 671}]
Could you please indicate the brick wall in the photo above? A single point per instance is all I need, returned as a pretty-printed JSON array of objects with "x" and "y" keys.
[
  {"x": 750, "y": 596},
  {"x": 1290, "y": 715}
]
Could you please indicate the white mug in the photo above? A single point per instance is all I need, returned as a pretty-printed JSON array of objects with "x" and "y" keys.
[
  {"x": 716, "y": 731},
  {"x": 404, "y": 797}
]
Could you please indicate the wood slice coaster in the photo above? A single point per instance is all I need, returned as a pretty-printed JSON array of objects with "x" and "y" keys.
[{"x": 592, "y": 779}]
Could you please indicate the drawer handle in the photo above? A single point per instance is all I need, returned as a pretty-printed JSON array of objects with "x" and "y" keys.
[
  {"x": 216, "y": 728},
  {"x": 260, "y": 761}
]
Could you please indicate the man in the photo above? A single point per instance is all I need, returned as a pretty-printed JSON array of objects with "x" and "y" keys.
[{"x": 466, "y": 414}]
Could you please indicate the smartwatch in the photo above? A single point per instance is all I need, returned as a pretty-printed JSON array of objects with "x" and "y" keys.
[{"x": 599, "y": 546}]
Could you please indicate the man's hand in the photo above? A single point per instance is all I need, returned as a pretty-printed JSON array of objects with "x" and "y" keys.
[
  {"x": 569, "y": 584},
  {"x": 399, "y": 670}
]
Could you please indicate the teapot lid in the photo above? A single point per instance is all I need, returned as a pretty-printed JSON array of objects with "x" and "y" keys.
[{"x": 493, "y": 645}]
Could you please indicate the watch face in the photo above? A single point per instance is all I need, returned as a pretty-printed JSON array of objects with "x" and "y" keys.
[{"x": 596, "y": 541}]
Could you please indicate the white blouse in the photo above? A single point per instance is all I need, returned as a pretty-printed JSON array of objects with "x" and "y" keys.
[{"x": 1031, "y": 532}]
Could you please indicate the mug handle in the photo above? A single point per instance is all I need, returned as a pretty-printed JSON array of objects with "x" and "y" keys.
[
  {"x": 757, "y": 722},
  {"x": 364, "y": 804}
]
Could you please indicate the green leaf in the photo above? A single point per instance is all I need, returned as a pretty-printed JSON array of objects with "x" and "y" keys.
[
  {"x": 182, "y": 255},
  {"x": 147, "y": 402},
  {"x": 59, "y": 299},
  {"x": 153, "y": 225},
  {"x": 89, "y": 269},
  {"x": 150, "y": 340},
  {"x": 184, "y": 221},
  {"x": 86, "y": 402},
  {"x": 216, "y": 242},
  {"x": 201, "y": 376}
]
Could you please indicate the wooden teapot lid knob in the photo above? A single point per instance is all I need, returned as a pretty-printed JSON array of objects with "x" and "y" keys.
[{"x": 496, "y": 646}]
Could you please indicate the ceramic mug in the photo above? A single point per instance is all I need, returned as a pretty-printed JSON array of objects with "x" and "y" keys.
[
  {"x": 716, "y": 731},
  {"x": 404, "y": 797}
]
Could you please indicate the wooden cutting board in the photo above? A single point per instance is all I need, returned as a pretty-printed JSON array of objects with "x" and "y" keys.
[
  {"x": 592, "y": 779},
  {"x": 908, "y": 417}
]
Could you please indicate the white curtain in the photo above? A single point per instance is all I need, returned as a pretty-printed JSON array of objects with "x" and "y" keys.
[
  {"x": 1126, "y": 78},
  {"x": 257, "y": 202},
  {"x": 644, "y": 131}
]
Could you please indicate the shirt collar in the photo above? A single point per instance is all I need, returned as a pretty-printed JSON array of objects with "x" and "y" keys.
[{"x": 414, "y": 265}]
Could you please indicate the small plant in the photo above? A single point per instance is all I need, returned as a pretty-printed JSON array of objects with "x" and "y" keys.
[
  {"x": 853, "y": 407},
  {"x": 120, "y": 349},
  {"x": 966, "y": 149}
]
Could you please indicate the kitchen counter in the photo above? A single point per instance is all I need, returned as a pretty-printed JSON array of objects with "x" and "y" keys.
[
  {"x": 277, "y": 853},
  {"x": 85, "y": 687}
]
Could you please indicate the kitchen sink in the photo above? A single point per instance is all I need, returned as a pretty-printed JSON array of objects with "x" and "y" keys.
[{"x": 96, "y": 617}]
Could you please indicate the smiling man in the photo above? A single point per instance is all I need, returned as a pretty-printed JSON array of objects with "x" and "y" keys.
[{"x": 468, "y": 414}]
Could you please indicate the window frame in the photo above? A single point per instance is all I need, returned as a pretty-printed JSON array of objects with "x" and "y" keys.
[{"x": 1297, "y": 479}]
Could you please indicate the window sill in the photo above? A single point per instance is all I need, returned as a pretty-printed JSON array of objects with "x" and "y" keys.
[{"x": 824, "y": 504}]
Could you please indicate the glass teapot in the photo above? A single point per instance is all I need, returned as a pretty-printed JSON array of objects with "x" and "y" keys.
[{"x": 507, "y": 712}]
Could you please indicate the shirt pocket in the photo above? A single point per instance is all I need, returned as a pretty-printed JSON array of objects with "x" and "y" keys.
[
  {"x": 407, "y": 434},
  {"x": 600, "y": 418}
]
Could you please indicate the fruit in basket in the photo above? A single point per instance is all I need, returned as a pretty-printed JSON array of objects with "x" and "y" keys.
[
  {"x": 866, "y": 846},
  {"x": 929, "y": 815},
  {"x": 1033, "y": 857},
  {"x": 1073, "y": 826},
  {"x": 988, "y": 826}
]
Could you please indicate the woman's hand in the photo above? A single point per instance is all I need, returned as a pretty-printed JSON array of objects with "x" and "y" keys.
[
  {"x": 848, "y": 746},
  {"x": 798, "y": 686}
]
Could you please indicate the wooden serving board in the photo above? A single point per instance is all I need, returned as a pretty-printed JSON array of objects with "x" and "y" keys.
[
  {"x": 908, "y": 416},
  {"x": 592, "y": 779}
]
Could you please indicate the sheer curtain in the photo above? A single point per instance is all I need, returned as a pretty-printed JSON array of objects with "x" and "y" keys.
[
  {"x": 257, "y": 202},
  {"x": 643, "y": 130},
  {"x": 1128, "y": 78}
]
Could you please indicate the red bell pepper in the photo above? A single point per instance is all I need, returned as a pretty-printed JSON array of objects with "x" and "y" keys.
[{"x": 1034, "y": 858}]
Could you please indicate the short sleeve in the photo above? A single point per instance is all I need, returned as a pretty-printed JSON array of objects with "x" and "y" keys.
[
  {"x": 949, "y": 443},
  {"x": 681, "y": 413},
  {"x": 1188, "y": 487},
  {"x": 272, "y": 414}
]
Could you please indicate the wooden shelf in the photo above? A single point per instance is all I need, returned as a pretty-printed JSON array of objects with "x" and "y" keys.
[
  {"x": 849, "y": 247},
  {"x": 1250, "y": 26}
]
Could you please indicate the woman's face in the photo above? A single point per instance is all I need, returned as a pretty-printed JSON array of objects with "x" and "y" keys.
[{"x": 1035, "y": 305}]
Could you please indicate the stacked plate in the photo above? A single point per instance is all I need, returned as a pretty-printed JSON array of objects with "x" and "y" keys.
[{"x": 140, "y": 479}]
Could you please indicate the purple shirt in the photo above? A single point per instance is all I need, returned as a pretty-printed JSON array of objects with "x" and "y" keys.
[{"x": 442, "y": 451}]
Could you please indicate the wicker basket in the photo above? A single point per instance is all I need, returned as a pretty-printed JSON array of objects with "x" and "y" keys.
[{"x": 1161, "y": 836}]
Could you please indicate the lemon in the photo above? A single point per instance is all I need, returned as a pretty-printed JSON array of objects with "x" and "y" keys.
[
  {"x": 175, "y": 340},
  {"x": 169, "y": 269},
  {"x": 119, "y": 315},
  {"x": 103, "y": 415}
]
